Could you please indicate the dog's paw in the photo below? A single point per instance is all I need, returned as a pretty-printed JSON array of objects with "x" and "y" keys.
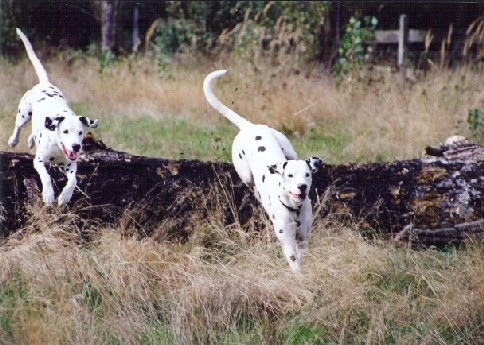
[
  {"x": 12, "y": 141},
  {"x": 65, "y": 197},
  {"x": 48, "y": 198},
  {"x": 30, "y": 141}
]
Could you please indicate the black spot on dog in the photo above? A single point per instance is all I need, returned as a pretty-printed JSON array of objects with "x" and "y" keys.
[
  {"x": 281, "y": 231},
  {"x": 263, "y": 178},
  {"x": 40, "y": 135},
  {"x": 19, "y": 111},
  {"x": 23, "y": 116},
  {"x": 261, "y": 148},
  {"x": 292, "y": 257},
  {"x": 51, "y": 159},
  {"x": 258, "y": 137},
  {"x": 30, "y": 113},
  {"x": 298, "y": 223},
  {"x": 67, "y": 170},
  {"x": 69, "y": 164},
  {"x": 273, "y": 217},
  {"x": 42, "y": 99},
  {"x": 243, "y": 152},
  {"x": 284, "y": 165},
  {"x": 279, "y": 184},
  {"x": 240, "y": 156}
]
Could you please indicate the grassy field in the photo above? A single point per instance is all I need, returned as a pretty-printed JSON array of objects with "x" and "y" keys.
[{"x": 224, "y": 285}]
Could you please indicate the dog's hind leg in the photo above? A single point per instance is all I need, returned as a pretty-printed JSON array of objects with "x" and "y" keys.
[
  {"x": 23, "y": 116},
  {"x": 240, "y": 162},
  {"x": 286, "y": 145}
]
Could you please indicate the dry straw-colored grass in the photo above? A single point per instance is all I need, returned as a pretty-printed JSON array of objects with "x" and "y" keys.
[
  {"x": 388, "y": 119},
  {"x": 118, "y": 289}
]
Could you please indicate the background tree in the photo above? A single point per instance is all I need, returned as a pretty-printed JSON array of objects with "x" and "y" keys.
[{"x": 109, "y": 16}]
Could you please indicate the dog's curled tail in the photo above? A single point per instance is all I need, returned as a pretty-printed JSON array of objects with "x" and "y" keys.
[
  {"x": 232, "y": 116},
  {"x": 39, "y": 69}
]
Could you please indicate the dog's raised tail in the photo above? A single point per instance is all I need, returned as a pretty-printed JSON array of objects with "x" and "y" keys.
[
  {"x": 39, "y": 69},
  {"x": 232, "y": 116}
]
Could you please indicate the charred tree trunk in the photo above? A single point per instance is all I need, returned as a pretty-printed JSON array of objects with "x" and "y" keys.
[{"x": 433, "y": 200}]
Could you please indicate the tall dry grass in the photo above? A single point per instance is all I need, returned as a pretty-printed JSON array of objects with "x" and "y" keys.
[
  {"x": 119, "y": 289},
  {"x": 388, "y": 119}
]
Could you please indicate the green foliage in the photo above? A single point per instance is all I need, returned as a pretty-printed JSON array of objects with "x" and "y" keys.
[
  {"x": 106, "y": 60},
  {"x": 475, "y": 121},
  {"x": 355, "y": 48},
  {"x": 278, "y": 29}
]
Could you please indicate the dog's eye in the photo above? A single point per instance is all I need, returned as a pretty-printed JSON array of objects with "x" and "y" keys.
[
  {"x": 290, "y": 175},
  {"x": 65, "y": 131},
  {"x": 80, "y": 133}
]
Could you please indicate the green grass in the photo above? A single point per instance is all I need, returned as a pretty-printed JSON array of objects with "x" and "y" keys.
[{"x": 170, "y": 138}]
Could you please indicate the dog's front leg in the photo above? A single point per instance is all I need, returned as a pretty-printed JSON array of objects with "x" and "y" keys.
[
  {"x": 70, "y": 168},
  {"x": 286, "y": 234},
  {"x": 303, "y": 232},
  {"x": 47, "y": 190}
]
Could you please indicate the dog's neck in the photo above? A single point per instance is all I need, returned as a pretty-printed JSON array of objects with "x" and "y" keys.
[{"x": 286, "y": 201}]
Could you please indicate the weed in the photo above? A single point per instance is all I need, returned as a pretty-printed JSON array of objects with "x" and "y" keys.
[
  {"x": 106, "y": 61},
  {"x": 475, "y": 120}
]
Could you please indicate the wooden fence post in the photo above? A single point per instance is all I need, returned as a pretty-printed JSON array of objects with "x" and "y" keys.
[{"x": 402, "y": 40}]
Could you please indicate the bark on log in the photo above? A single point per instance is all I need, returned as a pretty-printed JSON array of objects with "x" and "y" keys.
[{"x": 433, "y": 200}]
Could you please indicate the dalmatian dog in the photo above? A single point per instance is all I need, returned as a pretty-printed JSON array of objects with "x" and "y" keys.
[
  {"x": 56, "y": 130},
  {"x": 265, "y": 160}
]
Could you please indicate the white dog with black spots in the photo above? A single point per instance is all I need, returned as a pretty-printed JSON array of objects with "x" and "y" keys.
[
  {"x": 56, "y": 130},
  {"x": 265, "y": 159}
]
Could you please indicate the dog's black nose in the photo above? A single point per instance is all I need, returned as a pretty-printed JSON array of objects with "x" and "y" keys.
[
  {"x": 302, "y": 187},
  {"x": 76, "y": 147}
]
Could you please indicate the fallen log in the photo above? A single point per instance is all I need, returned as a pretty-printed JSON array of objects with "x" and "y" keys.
[{"x": 433, "y": 200}]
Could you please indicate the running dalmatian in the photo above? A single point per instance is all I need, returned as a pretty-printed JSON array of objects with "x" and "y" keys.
[
  {"x": 56, "y": 130},
  {"x": 265, "y": 159}
]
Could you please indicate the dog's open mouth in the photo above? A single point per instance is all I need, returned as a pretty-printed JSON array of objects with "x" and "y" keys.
[
  {"x": 298, "y": 197},
  {"x": 69, "y": 154}
]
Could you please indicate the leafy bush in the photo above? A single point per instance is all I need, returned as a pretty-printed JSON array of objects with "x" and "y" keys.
[
  {"x": 280, "y": 30},
  {"x": 355, "y": 47}
]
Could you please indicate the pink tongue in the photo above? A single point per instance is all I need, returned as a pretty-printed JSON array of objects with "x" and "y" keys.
[{"x": 71, "y": 155}]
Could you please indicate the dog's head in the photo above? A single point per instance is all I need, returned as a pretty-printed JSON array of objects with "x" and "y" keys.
[
  {"x": 296, "y": 177},
  {"x": 69, "y": 131}
]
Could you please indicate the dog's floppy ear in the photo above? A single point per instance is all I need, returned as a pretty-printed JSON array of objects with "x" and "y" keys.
[
  {"x": 277, "y": 168},
  {"x": 52, "y": 122},
  {"x": 315, "y": 163},
  {"x": 88, "y": 122}
]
